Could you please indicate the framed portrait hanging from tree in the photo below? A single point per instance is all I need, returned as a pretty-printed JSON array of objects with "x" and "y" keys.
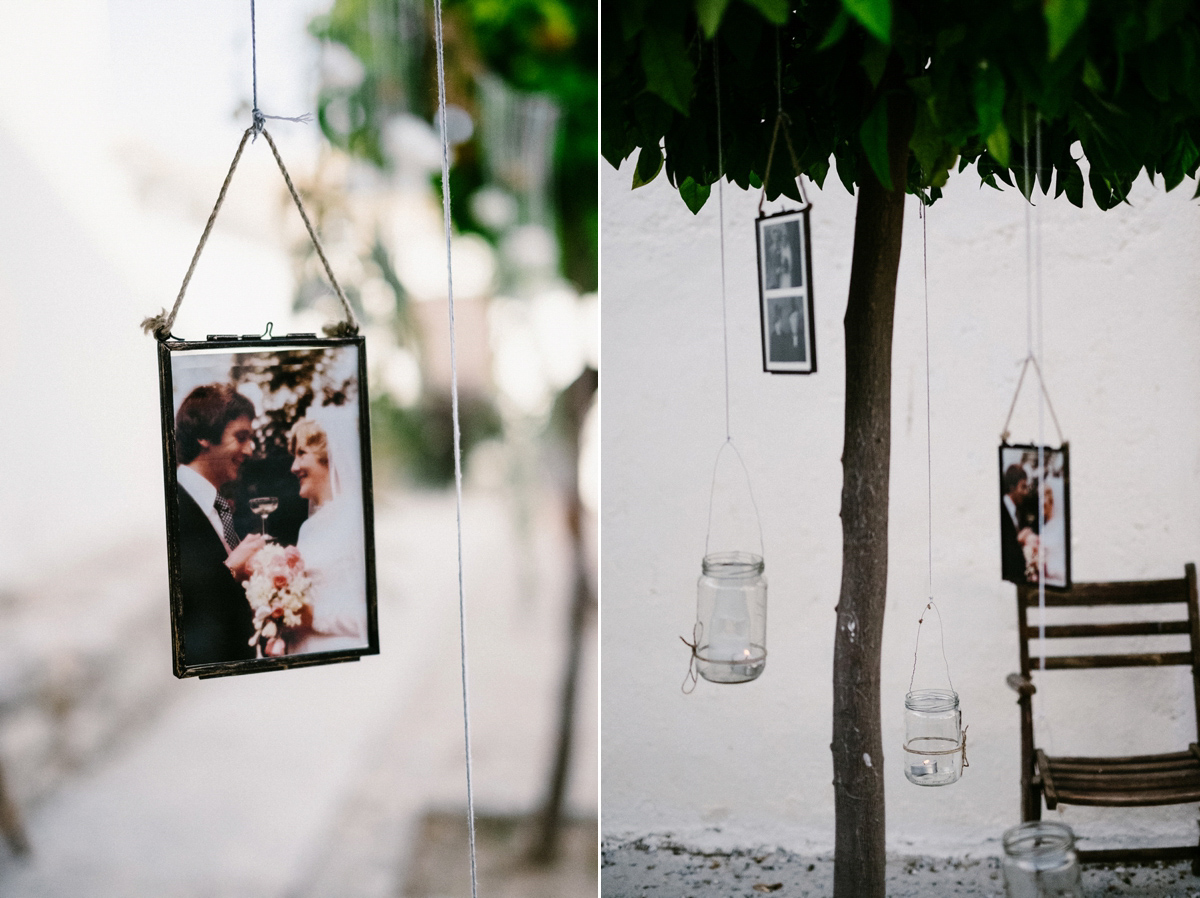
[
  {"x": 268, "y": 502},
  {"x": 1035, "y": 515},
  {"x": 785, "y": 291}
]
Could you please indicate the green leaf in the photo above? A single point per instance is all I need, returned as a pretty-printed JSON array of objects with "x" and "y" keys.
[
  {"x": 633, "y": 18},
  {"x": 649, "y": 164},
  {"x": 1063, "y": 18},
  {"x": 988, "y": 89},
  {"x": 926, "y": 142},
  {"x": 1196, "y": 195},
  {"x": 873, "y": 135},
  {"x": 668, "y": 68},
  {"x": 997, "y": 144},
  {"x": 836, "y": 30},
  {"x": 709, "y": 13},
  {"x": 1162, "y": 15},
  {"x": 1072, "y": 184},
  {"x": 874, "y": 61},
  {"x": 774, "y": 11},
  {"x": 694, "y": 195},
  {"x": 873, "y": 15},
  {"x": 1091, "y": 76}
]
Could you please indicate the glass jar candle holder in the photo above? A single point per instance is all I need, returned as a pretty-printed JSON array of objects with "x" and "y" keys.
[
  {"x": 934, "y": 745},
  {"x": 1040, "y": 861},
  {"x": 731, "y": 614}
]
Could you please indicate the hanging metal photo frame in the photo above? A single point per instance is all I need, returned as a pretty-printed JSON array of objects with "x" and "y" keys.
[
  {"x": 785, "y": 293},
  {"x": 267, "y": 475},
  {"x": 1035, "y": 543}
]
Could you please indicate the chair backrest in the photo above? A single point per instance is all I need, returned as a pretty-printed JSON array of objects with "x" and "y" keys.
[{"x": 1129, "y": 593}]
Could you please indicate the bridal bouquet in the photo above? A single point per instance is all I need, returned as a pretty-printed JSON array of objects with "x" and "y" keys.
[{"x": 278, "y": 590}]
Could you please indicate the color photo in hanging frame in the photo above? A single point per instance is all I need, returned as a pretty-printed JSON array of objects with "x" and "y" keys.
[
  {"x": 785, "y": 293},
  {"x": 1034, "y": 546},
  {"x": 268, "y": 497}
]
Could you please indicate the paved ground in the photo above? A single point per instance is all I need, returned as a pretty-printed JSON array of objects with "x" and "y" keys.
[
  {"x": 312, "y": 782},
  {"x": 658, "y": 868}
]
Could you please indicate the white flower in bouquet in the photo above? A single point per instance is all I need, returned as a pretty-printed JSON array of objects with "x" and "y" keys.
[{"x": 277, "y": 589}]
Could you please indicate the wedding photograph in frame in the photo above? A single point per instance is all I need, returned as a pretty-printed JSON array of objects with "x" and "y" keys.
[
  {"x": 1035, "y": 544},
  {"x": 269, "y": 513},
  {"x": 785, "y": 293}
]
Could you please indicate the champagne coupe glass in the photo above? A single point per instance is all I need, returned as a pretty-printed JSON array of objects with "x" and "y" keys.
[{"x": 263, "y": 506}]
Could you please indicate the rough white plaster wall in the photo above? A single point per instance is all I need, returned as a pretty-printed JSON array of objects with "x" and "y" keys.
[{"x": 750, "y": 765}]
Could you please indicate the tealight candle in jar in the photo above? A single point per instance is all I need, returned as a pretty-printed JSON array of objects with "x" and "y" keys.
[
  {"x": 731, "y": 609},
  {"x": 933, "y": 737}
]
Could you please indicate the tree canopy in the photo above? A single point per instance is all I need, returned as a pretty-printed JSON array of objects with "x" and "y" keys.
[{"x": 1118, "y": 78}]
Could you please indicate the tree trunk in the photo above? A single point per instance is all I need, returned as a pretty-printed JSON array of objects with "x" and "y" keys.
[
  {"x": 858, "y": 758},
  {"x": 572, "y": 408}
]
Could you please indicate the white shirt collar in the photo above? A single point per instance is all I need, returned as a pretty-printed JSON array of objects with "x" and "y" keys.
[
  {"x": 205, "y": 494},
  {"x": 1012, "y": 509}
]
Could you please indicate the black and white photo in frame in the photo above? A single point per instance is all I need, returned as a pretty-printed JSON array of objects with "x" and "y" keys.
[
  {"x": 1035, "y": 516},
  {"x": 268, "y": 499},
  {"x": 785, "y": 292}
]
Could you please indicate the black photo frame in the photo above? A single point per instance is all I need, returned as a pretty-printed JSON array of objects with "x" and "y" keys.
[
  {"x": 1027, "y": 551},
  {"x": 785, "y": 292},
  {"x": 318, "y": 474}
]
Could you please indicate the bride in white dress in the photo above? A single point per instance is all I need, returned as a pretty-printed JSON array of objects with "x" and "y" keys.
[{"x": 327, "y": 464}]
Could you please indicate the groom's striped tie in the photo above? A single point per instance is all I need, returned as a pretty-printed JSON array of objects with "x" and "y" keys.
[{"x": 224, "y": 509}]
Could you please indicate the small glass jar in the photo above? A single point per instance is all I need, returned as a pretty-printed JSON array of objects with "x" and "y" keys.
[
  {"x": 731, "y": 616},
  {"x": 933, "y": 737},
  {"x": 1040, "y": 861}
]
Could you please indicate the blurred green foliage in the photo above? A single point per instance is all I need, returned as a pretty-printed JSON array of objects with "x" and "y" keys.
[{"x": 545, "y": 46}]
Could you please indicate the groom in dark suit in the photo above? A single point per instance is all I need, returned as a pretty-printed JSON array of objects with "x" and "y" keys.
[
  {"x": 1014, "y": 490},
  {"x": 213, "y": 437}
]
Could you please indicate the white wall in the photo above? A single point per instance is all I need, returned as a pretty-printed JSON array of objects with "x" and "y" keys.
[
  {"x": 750, "y": 765},
  {"x": 117, "y": 124}
]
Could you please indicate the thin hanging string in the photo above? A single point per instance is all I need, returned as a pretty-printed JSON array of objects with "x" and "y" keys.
[
  {"x": 781, "y": 124},
  {"x": 725, "y": 326},
  {"x": 778, "y": 75},
  {"x": 721, "y": 233},
  {"x": 690, "y": 679},
  {"x": 258, "y": 115},
  {"x": 160, "y": 325},
  {"x": 928, "y": 404},
  {"x": 1033, "y": 269},
  {"x": 1037, "y": 124},
  {"x": 929, "y": 605},
  {"x": 462, "y": 604}
]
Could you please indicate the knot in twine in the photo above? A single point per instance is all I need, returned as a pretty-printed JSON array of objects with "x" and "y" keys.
[{"x": 259, "y": 121}]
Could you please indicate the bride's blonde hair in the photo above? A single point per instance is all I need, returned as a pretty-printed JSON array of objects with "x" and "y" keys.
[{"x": 310, "y": 435}]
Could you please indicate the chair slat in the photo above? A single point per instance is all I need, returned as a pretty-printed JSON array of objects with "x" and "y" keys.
[
  {"x": 1111, "y": 855},
  {"x": 1134, "y": 628},
  {"x": 1140, "y": 799},
  {"x": 1124, "y": 781},
  {"x": 1080, "y": 662},
  {"x": 1173, "y": 761},
  {"x": 1133, "y": 592}
]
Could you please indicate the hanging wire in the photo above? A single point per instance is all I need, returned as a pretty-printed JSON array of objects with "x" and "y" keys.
[
  {"x": 690, "y": 679},
  {"x": 462, "y": 606},
  {"x": 1041, "y": 407},
  {"x": 930, "y": 604},
  {"x": 721, "y": 225}
]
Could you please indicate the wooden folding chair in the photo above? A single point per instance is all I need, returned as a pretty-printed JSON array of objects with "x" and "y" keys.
[{"x": 1136, "y": 781}]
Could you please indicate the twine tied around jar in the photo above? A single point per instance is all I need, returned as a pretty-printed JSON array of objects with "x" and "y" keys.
[
  {"x": 941, "y": 752},
  {"x": 691, "y": 678}
]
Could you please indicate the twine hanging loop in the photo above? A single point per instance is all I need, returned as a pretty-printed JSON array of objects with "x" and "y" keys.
[{"x": 160, "y": 325}]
